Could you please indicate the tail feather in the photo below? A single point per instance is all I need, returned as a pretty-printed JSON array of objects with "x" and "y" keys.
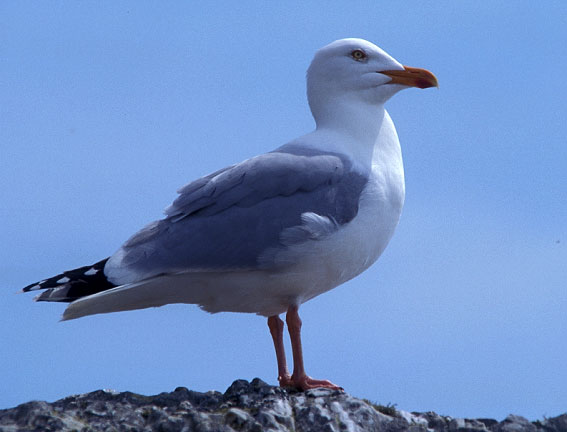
[{"x": 73, "y": 284}]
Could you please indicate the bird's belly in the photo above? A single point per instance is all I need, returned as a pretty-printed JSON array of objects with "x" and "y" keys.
[{"x": 352, "y": 249}]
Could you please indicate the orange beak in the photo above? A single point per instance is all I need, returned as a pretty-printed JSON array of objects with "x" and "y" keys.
[{"x": 412, "y": 77}]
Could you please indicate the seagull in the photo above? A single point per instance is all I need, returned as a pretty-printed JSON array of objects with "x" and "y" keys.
[{"x": 267, "y": 234}]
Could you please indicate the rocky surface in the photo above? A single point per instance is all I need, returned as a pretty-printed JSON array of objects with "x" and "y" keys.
[{"x": 254, "y": 406}]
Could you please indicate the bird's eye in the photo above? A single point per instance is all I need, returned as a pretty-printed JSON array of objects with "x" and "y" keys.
[{"x": 358, "y": 55}]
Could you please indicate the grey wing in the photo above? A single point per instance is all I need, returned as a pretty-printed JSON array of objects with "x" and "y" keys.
[
  {"x": 254, "y": 180},
  {"x": 229, "y": 219}
]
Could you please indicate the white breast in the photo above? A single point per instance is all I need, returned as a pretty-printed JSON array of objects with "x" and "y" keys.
[{"x": 358, "y": 244}]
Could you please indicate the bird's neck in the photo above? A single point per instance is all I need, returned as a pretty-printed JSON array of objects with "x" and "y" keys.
[{"x": 350, "y": 128}]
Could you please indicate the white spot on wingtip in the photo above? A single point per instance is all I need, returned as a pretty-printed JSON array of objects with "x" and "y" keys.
[
  {"x": 91, "y": 271},
  {"x": 63, "y": 280}
]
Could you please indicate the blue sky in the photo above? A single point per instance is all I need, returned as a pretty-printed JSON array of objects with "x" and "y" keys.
[{"x": 108, "y": 107}]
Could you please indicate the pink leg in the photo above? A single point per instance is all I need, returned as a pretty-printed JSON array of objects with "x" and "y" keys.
[
  {"x": 299, "y": 379},
  {"x": 276, "y": 326}
]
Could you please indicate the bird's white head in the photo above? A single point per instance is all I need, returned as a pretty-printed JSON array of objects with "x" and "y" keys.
[{"x": 355, "y": 72}]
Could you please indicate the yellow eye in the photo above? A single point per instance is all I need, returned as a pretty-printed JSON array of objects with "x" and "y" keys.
[{"x": 358, "y": 55}]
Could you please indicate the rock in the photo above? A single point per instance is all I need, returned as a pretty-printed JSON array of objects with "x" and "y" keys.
[
  {"x": 248, "y": 407},
  {"x": 515, "y": 423}
]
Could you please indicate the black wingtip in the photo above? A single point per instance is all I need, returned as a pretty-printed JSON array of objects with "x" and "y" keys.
[{"x": 73, "y": 284}]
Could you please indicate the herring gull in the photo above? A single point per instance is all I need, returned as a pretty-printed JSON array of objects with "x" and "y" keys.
[{"x": 267, "y": 234}]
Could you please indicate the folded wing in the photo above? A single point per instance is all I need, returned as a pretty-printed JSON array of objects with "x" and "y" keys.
[{"x": 228, "y": 220}]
